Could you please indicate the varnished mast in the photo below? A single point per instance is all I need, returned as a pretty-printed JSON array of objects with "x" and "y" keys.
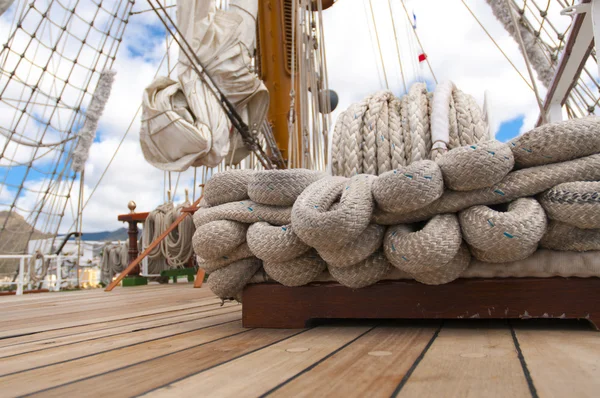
[{"x": 275, "y": 47}]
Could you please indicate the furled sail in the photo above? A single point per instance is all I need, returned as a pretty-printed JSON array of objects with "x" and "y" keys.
[{"x": 183, "y": 123}]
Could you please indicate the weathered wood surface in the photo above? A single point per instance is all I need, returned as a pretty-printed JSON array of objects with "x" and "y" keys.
[
  {"x": 174, "y": 340},
  {"x": 274, "y": 305}
]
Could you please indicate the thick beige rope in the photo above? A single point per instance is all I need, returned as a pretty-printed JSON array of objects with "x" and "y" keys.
[
  {"x": 404, "y": 101},
  {"x": 561, "y": 236},
  {"x": 337, "y": 148},
  {"x": 453, "y": 124},
  {"x": 464, "y": 118},
  {"x": 154, "y": 225},
  {"x": 382, "y": 132},
  {"x": 352, "y": 139},
  {"x": 396, "y": 132},
  {"x": 504, "y": 236},
  {"x": 296, "y": 272},
  {"x": 404, "y": 246},
  {"x": 557, "y": 142},
  {"x": 239, "y": 253},
  {"x": 274, "y": 243},
  {"x": 322, "y": 227},
  {"x": 364, "y": 273},
  {"x": 177, "y": 247},
  {"x": 115, "y": 257},
  {"x": 228, "y": 282},
  {"x": 218, "y": 238},
  {"x": 337, "y": 217},
  {"x": 476, "y": 166},
  {"x": 409, "y": 188},
  {"x": 227, "y": 186},
  {"x": 517, "y": 184},
  {"x": 574, "y": 203},
  {"x": 376, "y": 134},
  {"x": 418, "y": 121},
  {"x": 367, "y": 243},
  {"x": 280, "y": 187},
  {"x": 245, "y": 211},
  {"x": 369, "y": 134}
]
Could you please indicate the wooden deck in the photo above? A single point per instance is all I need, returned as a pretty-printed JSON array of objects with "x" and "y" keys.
[{"x": 172, "y": 340}]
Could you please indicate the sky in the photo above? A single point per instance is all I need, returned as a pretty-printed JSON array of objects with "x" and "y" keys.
[{"x": 456, "y": 46}]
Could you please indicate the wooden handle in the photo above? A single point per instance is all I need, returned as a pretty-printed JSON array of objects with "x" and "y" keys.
[{"x": 138, "y": 260}]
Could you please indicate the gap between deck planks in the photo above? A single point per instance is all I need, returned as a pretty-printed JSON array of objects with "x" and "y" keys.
[
  {"x": 469, "y": 359},
  {"x": 563, "y": 360},
  {"x": 98, "y": 327},
  {"x": 65, "y": 372},
  {"x": 70, "y": 352},
  {"x": 466, "y": 358},
  {"x": 105, "y": 304},
  {"x": 258, "y": 372},
  {"x": 148, "y": 307},
  {"x": 157, "y": 372}
]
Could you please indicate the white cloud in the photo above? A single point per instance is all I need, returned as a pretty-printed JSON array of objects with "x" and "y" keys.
[{"x": 456, "y": 46}]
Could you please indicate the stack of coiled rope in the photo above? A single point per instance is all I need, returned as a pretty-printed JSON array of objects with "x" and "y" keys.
[{"x": 427, "y": 219}]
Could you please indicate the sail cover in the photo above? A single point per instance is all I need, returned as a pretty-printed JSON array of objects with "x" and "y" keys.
[{"x": 183, "y": 124}]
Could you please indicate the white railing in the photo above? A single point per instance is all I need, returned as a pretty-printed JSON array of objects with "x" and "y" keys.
[{"x": 20, "y": 282}]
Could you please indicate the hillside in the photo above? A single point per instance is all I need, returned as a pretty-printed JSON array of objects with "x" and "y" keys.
[
  {"x": 14, "y": 239},
  {"x": 119, "y": 234}
]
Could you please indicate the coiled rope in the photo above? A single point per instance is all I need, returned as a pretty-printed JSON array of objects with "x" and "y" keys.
[
  {"x": 337, "y": 223},
  {"x": 383, "y": 132},
  {"x": 114, "y": 260}
]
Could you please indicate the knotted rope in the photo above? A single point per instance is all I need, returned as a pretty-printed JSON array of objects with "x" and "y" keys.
[{"x": 337, "y": 223}]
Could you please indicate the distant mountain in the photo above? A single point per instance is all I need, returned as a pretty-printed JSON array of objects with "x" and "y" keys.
[
  {"x": 15, "y": 237},
  {"x": 119, "y": 234}
]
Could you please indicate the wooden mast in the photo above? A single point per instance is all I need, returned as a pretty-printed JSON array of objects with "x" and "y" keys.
[
  {"x": 274, "y": 42},
  {"x": 275, "y": 47}
]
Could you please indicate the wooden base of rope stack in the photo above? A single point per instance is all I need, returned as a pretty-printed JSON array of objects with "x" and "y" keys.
[
  {"x": 271, "y": 305},
  {"x": 487, "y": 230}
]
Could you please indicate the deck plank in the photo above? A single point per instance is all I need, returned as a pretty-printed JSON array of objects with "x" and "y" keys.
[
  {"x": 166, "y": 340},
  {"x": 469, "y": 360},
  {"x": 70, "y": 352},
  {"x": 52, "y": 299},
  {"x": 155, "y": 373},
  {"x": 40, "y": 325},
  {"x": 259, "y": 372},
  {"x": 563, "y": 360},
  {"x": 77, "y": 369},
  {"x": 97, "y": 328},
  {"x": 372, "y": 366},
  {"x": 73, "y": 308}
]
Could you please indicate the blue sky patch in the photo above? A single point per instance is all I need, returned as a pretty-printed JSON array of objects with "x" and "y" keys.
[{"x": 510, "y": 128}]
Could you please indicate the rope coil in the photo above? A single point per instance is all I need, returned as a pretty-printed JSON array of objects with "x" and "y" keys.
[
  {"x": 382, "y": 132},
  {"x": 337, "y": 223}
]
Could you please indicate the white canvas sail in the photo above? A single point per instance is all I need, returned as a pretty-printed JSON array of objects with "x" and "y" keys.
[{"x": 183, "y": 123}]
